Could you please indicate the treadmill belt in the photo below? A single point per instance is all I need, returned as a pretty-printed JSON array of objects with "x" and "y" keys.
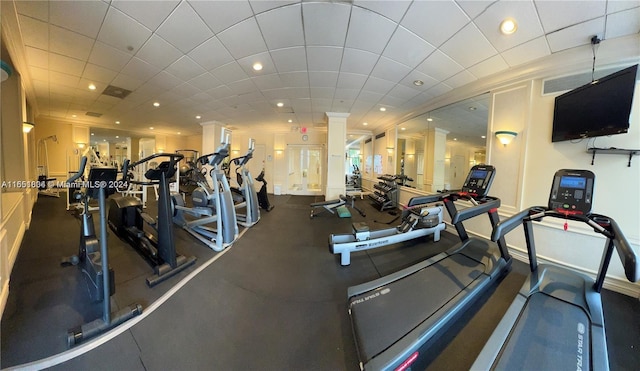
[
  {"x": 381, "y": 317},
  {"x": 550, "y": 334}
]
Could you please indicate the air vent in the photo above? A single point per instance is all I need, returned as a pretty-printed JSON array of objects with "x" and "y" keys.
[
  {"x": 114, "y": 91},
  {"x": 381, "y": 135},
  {"x": 94, "y": 114},
  {"x": 566, "y": 83}
]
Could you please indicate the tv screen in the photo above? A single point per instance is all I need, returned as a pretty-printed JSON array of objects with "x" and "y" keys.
[{"x": 599, "y": 108}]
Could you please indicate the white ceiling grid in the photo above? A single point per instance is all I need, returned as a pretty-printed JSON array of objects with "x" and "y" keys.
[{"x": 197, "y": 57}]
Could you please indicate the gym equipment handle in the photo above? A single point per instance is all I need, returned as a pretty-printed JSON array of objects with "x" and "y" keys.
[
  {"x": 83, "y": 164},
  {"x": 172, "y": 156}
]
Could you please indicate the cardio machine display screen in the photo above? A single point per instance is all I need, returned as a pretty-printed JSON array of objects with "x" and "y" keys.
[
  {"x": 573, "y": 182},
  {"x": 479, "y": 174}
]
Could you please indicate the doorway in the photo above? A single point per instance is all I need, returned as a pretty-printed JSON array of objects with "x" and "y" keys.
[{"x": 305, "y": 169}]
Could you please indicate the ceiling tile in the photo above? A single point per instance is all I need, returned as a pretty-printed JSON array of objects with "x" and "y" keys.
[
  {"x": 106, "y": 56},
  {"x": 35, "y": 33},
  {"x": 325, "y": 24},
  {"x": 623, "y": 23},
  {"x": 34, "y": 9},
  {"x": 390, "y": 70},
  {"x": 473, "y": 8},
  {"x": 403, "y": 92},
  {"x": 323, "y": 79},
  {"x": 40, "y": 74},
  {"x": 37, "y": 57},
  {"x": 324, "y": 58},
  {"x": 185, "y": 68},
  {"x": 351, "y": 81},
  {"x": 266, "y": 82},
  {"x": 150, "y": 13},
  {"x": 295, "y": 79},
  {"x": 61, "y": 63},
  {"x": 184, "y": 29},
  {"x": 219, "y": 92},
  {"x": 393, "y": 10},
  {"x": 534, "y": 49},
  {"x": 243, "y": 39},
  {"x": 260, "y": 6},
  {"x": 407, "y": 48},
  {"x": 205, "y": 82},
  {"x": 127, "y": 82},
  {"x": 290, "y": 59},
  {"x": 221, "y": 14},
  {"x": 573, "y": 36},
  {"x": 358, "y": 61},
  {"x": 524, "y": 14},
  {"x": 439, "y": 66},
  {"x": 368, "y": 30},
  {"x": 211, "y": 54},
  {"x": 242, "y": 86},
  {"x": 94, "y": 72},
  {"x": 69, "y": 43},
  {"x": 460, "y": 79},
  {"x": 158, "y": 52},
  {"x": 139, "y": 68},
  {"x": 557, "y": 15},
  {"x": 62, "y": 79},
  {"x": 348, "y": 94},
  {"x": 488, "y": 67},
  {"x": 469, "y": 46},
  {"x": 377, "y": 85},
  {"x": 282, "y": 27},
  {"x": 164, "y": 81},
  {"x": 263, "y": 58},
  {"x": 123, "y": 32},
  {"x": 65, "y": 14},
  {"x": 229, "y": 72},
  {"x": 434, "y": 21}
]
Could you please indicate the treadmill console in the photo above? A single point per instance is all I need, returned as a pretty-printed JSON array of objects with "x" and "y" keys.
[
  {"x": 572, "y": 191},
  {"x": 479, "y": 180}
]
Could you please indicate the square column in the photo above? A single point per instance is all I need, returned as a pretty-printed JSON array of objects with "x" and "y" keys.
[{"x": 336, "y": 139}]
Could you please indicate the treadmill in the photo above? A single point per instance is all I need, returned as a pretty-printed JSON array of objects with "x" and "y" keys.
[
  {"x": 556, "y": 320},
  {"x": 397, "y": 317}
]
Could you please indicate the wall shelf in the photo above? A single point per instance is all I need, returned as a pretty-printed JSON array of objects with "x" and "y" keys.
[{"x": 613, "y": 151}]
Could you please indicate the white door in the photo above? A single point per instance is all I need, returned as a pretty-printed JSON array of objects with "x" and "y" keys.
[{"x": 305, "y": 170}]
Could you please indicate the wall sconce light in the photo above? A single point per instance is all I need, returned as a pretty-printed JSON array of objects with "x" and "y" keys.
[
  {"x": 81, "y": 145},
  {"x": 279, "y": 151},
  {"x": 505, "y": 137},
  {"x": 5, "y": 71},
  {"x": 26, "y": 127}
]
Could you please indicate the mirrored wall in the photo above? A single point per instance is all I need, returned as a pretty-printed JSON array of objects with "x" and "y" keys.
[{"x": 435, "y": 150}]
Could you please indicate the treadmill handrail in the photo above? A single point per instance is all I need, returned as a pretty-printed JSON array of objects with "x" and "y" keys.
[
  {"x": 488, "y": 204},
  {"x": 628, "y": 257}
]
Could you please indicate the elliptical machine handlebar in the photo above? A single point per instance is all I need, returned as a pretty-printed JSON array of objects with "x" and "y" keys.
[
  {"x": 172, "y": 158},
  {"x": 83, "y": 164}
]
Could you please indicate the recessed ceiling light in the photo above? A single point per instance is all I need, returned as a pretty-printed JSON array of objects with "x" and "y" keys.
[
  {"x": 280, "y": 104},
  {"x": 150, "y": 127},
  {"x": 508, "y": 26},
  {"x": 472, "y": 108},
  {"x": 156, "y": 104},
  {"x": 198, "y": 117},
  {"x": 418, "y": 83},
  {"x": 117, "y": 137},
  {"x": 403, "y": 128},
  {"x": 429, "y": 119},
  {"x": 179, "y": 133},
  {"x": 92, "y": 87},
  {"x": 117, "y": 122},
  {"x": 93, "y": 133},
  {"x": 74, "y": 115},
  {"x": 365, "y": 124},
  {"x": 455, "y": 138},
  {"x": 290, "y": 120},
  {"x": 257, "y": 66},
  {"x": 383, "y": 109},
  {"x": 483, "y": 136}
]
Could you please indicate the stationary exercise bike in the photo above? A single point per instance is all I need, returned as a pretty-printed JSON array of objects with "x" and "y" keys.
[
  {"x": 93, "y": 257},
  {"x": 128, "y": 221}
]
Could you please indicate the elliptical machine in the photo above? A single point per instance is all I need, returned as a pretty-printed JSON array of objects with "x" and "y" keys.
[
  {"x": 210, "y": 204},
  {"x": 249, "y": 199},
  {"x": 93, "y": 257},
  {"x": 127, "y": 220}
]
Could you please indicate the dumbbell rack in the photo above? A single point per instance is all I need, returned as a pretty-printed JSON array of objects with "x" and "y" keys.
[{"x": 385, "y": 195}]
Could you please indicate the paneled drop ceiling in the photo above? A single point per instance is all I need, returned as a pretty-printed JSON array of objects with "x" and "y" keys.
[{"x": 196, "y": 58}]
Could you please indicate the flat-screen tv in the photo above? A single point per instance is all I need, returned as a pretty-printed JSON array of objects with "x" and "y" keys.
[{"x": 599, "y": 108}]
